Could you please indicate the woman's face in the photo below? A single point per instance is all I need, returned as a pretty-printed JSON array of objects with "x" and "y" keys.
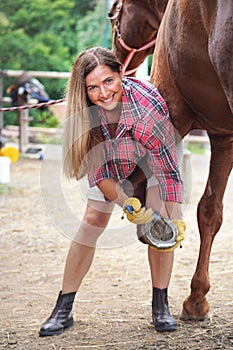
[{"x": 104, "y": 87}]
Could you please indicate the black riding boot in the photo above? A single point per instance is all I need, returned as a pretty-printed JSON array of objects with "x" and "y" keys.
[
  {"x": 162, "y": 319},
  {"x": 61, "y": 316}
]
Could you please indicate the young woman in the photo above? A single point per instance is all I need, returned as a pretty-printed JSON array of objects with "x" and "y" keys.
[{"x": 119, "y": 133}]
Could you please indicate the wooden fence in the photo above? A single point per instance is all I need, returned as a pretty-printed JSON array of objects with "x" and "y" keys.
[{"x": 23, "y": 115}]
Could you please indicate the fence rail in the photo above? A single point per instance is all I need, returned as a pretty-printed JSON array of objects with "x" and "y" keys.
[
  {"x": 36, "y": 74},
  {"x": 17, "y": 73},
  {"x": 23, "y": 138}
]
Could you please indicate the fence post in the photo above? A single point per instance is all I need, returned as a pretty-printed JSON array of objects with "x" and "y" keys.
[
  {"x": 1, "y": 101},
  {"x": 23, "y": 129}
]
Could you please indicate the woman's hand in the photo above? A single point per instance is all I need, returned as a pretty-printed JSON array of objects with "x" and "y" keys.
[
  {"x": 135, "y": 213},
  {"x": 181, "y": 227}
]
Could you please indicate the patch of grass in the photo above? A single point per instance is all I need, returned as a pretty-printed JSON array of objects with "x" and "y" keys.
[
  {"x": 52, "y": 140},
  {"x": 6, "y": 189},
  {"x": 196, "y": 148}
]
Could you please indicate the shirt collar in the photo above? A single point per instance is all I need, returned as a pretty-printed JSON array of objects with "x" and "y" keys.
[{"x": 126, "y": 115}]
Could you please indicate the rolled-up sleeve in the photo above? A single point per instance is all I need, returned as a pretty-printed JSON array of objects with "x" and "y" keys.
[
  {"x": 158, "y": 138},
  {"x": 99, "y": 175}
]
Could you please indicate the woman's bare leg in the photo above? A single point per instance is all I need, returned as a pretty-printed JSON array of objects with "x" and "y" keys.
[
  {"x": 161, "y": 267},
  {"x": 82, "y": 248},
  {"x": 78, "y": 262},
  {"x": 161, "y": 263}
]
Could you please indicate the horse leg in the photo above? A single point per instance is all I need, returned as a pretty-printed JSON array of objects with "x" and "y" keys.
[{"x": 209, "y": 216}]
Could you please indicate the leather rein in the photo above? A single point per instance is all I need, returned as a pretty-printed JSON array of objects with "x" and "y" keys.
[{"x": 131, "y": 50}]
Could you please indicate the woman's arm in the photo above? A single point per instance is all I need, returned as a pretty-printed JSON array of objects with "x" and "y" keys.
[{"x": 112, "y": 191}]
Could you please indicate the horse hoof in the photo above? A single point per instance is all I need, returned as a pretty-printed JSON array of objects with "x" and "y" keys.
[{"x": 186, "y": 317}]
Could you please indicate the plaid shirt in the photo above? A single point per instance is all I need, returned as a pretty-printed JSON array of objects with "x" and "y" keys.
[{"x": 144, "y": 129}]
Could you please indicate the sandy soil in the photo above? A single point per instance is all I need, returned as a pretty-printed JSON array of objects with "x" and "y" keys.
[{"x": 113, "y": 307}]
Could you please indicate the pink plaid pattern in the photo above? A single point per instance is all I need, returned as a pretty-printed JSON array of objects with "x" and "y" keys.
[{"x": 144, "y": 129}]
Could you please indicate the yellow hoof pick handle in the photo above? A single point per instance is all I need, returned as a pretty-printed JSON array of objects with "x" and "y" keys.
[
  {"x": 181, "y": 226},
  {"x": 135, "y": 213}
]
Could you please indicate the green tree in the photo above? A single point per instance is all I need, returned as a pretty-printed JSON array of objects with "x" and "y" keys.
[
  {"x": 47, "y": 35},
  {"x": 91, "y": 28},
  {"x": 41, "y": 35}
]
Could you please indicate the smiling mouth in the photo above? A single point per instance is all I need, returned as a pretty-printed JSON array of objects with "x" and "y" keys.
[{"x": 108, "y": 100}]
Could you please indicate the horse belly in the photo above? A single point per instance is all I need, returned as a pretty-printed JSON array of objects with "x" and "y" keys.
[
  {"x": 221, "y": 47},
  {"x": 201, "y": 88},
  {"x": 187, "y": 78}
]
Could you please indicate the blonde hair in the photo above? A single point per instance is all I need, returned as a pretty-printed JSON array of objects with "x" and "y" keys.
[{"x": 81, "y": 129}]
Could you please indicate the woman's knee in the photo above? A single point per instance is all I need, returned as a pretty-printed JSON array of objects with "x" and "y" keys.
[
  {"x": 93, "y": 224},
  {"x": 96, "y": 219},
  {"x": 97, "y": 213}
]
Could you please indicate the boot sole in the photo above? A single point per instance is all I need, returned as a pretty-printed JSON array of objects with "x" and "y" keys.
[
  {"x": 59, "y": 331},
  {"x": 168, "y": 328}
]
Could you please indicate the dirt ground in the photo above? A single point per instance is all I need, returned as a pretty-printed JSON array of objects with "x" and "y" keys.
[{"x": 113, "y": 307}]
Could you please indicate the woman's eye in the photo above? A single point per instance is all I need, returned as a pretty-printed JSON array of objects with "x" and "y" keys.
[
  {"x": 109, "y": 81},
  {"x": 91, "y": 88}
]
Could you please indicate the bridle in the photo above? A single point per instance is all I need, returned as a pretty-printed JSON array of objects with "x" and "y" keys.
[{"x": 131, "y": 50}]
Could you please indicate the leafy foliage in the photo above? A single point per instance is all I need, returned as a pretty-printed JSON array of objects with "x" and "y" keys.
[
  {"x": 46, "y": 35},
  {"x": 91, "y": 29}
]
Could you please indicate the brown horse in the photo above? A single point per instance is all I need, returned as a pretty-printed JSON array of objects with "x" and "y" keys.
[{"x": 193, "y": 69}]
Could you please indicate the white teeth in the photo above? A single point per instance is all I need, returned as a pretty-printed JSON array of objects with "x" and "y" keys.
[{"x": 108, "y": 100}]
